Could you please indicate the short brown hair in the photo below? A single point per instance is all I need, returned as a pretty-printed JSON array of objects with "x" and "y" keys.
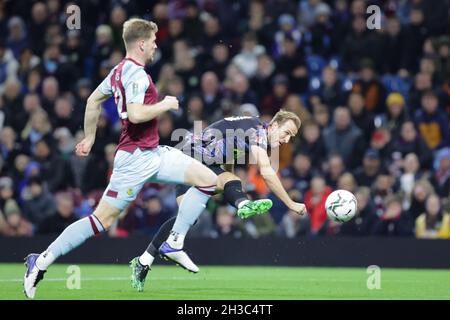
[
  {"x": 282, "y": 116},
  {"x": 135, "y": 28}
]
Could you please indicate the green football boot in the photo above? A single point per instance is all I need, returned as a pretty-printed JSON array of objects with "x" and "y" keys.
[
  {"x": 138, "y": 274},
  {"x": 252, "y": 208}
]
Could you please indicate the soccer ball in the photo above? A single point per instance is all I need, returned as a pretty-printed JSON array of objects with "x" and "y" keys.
[{"x": 341, "y": 206}]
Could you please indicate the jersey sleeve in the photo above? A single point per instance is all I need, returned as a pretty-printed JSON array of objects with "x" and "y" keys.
[
  {"x": 105, "y": 85},
  {"x": 136, "y": 87},
  {"x": 258, "y": 136}
]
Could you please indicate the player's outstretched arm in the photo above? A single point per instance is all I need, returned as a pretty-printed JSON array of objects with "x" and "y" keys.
[
  {"x": 272, "y": 180},
  {"x": 93, "y": 110},
  {"x": 138, "y": 112}
]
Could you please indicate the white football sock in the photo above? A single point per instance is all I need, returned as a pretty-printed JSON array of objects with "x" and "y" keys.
[
  {"x": 146, "y": 259},
  {"x": 44, "y": 260},
  {"x": 176, "y": 240}
]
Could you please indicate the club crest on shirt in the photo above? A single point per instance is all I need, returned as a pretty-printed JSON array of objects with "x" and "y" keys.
[{"x": 130, "y": 191}]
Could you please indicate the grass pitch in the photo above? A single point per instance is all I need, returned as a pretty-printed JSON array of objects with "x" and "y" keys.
[{"x": 230, "y": 283}]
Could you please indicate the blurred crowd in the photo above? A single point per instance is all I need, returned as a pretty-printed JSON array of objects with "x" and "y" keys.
[{"x": 375, "y": 107}]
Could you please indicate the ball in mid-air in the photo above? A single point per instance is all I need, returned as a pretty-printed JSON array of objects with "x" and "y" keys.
[{"x": 341, "y": 206}]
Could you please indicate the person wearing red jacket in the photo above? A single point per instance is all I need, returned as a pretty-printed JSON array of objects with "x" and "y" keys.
[{"x": 315, "y": 199}]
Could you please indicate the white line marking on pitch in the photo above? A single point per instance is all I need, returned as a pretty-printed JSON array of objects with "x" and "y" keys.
[{"x": 96, "y": 279}]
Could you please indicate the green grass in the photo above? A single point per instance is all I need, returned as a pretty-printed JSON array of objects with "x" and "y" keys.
[{"x": 170, "y": 282}]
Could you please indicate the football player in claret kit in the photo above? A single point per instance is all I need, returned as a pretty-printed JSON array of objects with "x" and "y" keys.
[
  {"x": 234, "y": 140},
  {"x": 139, "y": 158}
]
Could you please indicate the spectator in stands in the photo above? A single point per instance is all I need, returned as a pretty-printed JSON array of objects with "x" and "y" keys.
[
  {"x": 311, "y": 143},
  {"x": 148, "y": 217},
  {"x": 346, "y": 182},
  {"x": 381, "y": 141},
  {"x": 65, "y": 142},
  {"x": 117, "y": 17},
  {"x": 321, "y": 115},
  {"x": 8, "y": 65},
  {"x": 239, "y": 91},
  {"x": 9, "y": 147},
  {"x": 226, "y": 224},
  {"x": 212, "y": 34},
  {"x": 434, "y": 223},
  {"x": 292, "y": 64},
  {"x": 54, "y": 64},
  {"x": 393, "y": 221},
  {"x": 17, "y": 39},
  {"x": 366, "y": 175},
  {"x": 287, "y": 179},
  {"x": 393, "y": 46},
  {"x": 247, "y": 59},
  {"x": 421, "y": 191},
  {"x": 422, "y": 84},
  {"x": 330, "y": 90},
  {"x": 219, "y": 60},
  {"x": 441, "y": 175},
  {"x": 12, "y": 97},
  {"x": 12, "y": 222},
  {"x": 322, "y": 31},
  {"x": 195, "y": 112},
  {"x": 28, "y": 65},
  {"x": 335, "y": 168},
  {"x": 39, "y": 202},
  {"x": 315, "y": 205},
  {"x": 295, "y": 104},
  {"x": 31, "y": 104},
  {"x": 74, "y": 49},
  {"x": 365, "y": 219},
  {"x": 185, "y": 64},
  {"x": 411, "y": 174},
  {"x": 50, "y": 92},
  {"x": 53, "y": 169},
  {"x": 370, "y": 87},
  {"x": 355, "y": 46},
  {"x": 101, "y": 163},
  {"x": 273, "y": 101},
  {"x": 363, "y": 119},
  {"x": 432, "y": 122},
  {"x": 384, "y": 186},
  {"x": 344, "y": 138},
  {"x": 415, "y": 35},
  {"x": 64, "y": 115},
  {"x": 261, "y": 83},
  {"x": 396, "y": 114},
  {"x": 63, "y": 217},
  {"x": 102, "y": 47},
  {"x": 442, "y": 61},
  {"x": 302, "y": 171},
  {"x": 287, "y": 28},
  {"x": 37, "y": 128},
  {"x": 211, "y": 94},
  {"x": 410, "y": 142},
  {"x": 293, "y": 225}
]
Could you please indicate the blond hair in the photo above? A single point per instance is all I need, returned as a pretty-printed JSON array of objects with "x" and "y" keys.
[
  {"x": 282, "y": 116},
  {"x": 135, "y": 28}
]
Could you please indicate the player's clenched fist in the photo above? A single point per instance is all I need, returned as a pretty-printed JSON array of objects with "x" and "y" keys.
[
  {"x": 83, "y": 148},
  {"x": 171, "y": 102},
  {"x": 299, "y": 208}
]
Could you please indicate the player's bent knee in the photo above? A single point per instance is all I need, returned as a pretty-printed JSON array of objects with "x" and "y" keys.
[
  {"x": 200, "y": 175},
  {"x": 224, "y": 178},
  {"x": 106, "y": 214}
]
